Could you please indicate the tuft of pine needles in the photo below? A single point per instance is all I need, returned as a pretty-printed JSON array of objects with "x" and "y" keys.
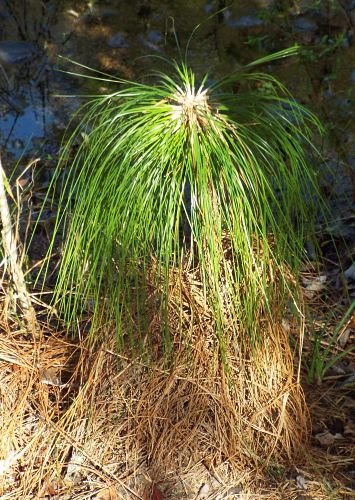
[
  {"x": 212, "y": 175},
  {"x": 79, "y": 421}
]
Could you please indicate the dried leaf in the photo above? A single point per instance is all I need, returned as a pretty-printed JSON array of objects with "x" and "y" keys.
[
  {"x": 152, "y": 493},
  {"x": 344, "y": 337},
  {"x": 156, "y": 494},
  {"x": 203, "y": 491},
  {"x": 22, "y": 182},
  {"x": 327, "y": 438},
  {"x": 349, "y": 428},
  {"x": 301, "y": 483},
  {"x": 286, "y": 325},
  {"x": 315, "y": 284},
  {"x": 5, "y": 464},
  {"x": 73, "y": 475},
  {"x": 107, "y": 494},
  {"x": 235, "y": 490},
  {"x": 51, "y": 376},
  {"x": 53, "y": 488}
]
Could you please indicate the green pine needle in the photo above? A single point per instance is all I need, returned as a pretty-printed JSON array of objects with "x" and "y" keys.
[{"x": 185, "y": 168}]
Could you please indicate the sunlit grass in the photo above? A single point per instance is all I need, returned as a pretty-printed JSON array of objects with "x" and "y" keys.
[{"x": 186, "y": 173}]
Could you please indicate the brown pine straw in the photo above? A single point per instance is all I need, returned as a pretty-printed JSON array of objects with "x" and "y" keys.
[
  {"x": 81, "y": 421},
  {"x": 250, "y": 409}
]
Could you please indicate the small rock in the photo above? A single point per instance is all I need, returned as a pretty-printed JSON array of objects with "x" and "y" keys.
[
  {"x": 18, "y": 144},
  {"x": 339, "y": 368},
  {"x": 152, "y": 40},
  {"x": 209, "y": 7},
  {"x": 241, "y": 22},
  {"x": 106, "y": 12},
  {"x": 154, "y": 37},
  {"x": 348, "y": 382},
  {"x": 16, "y": 52},
  {"x": 118, "y": 41},
  {"x": 311, "y": 252},
  {"x": 303, "y": 24},
  {"x": 350, "y": 273}
]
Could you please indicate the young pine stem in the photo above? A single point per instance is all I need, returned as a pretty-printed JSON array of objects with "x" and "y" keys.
[{"x": 11, "y": 259}]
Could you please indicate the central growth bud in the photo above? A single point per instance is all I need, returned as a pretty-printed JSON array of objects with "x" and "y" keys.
[{"x": 190, "y": 107}]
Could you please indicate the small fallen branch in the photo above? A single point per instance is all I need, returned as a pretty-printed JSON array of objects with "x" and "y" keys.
[{"x": 11, "y": 259}]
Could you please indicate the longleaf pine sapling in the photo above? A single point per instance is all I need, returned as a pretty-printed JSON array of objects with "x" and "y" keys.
[{"x": 181, "y": 174}]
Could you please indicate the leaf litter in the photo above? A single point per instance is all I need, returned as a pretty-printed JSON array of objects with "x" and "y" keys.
[{"x": 107, "y": 428}]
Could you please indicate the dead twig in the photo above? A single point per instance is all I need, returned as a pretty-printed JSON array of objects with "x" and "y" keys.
[{"x": 11, "y": 260}]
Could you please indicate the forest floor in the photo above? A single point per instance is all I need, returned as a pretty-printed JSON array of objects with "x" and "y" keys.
[{"x": 69, "y": 425}]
